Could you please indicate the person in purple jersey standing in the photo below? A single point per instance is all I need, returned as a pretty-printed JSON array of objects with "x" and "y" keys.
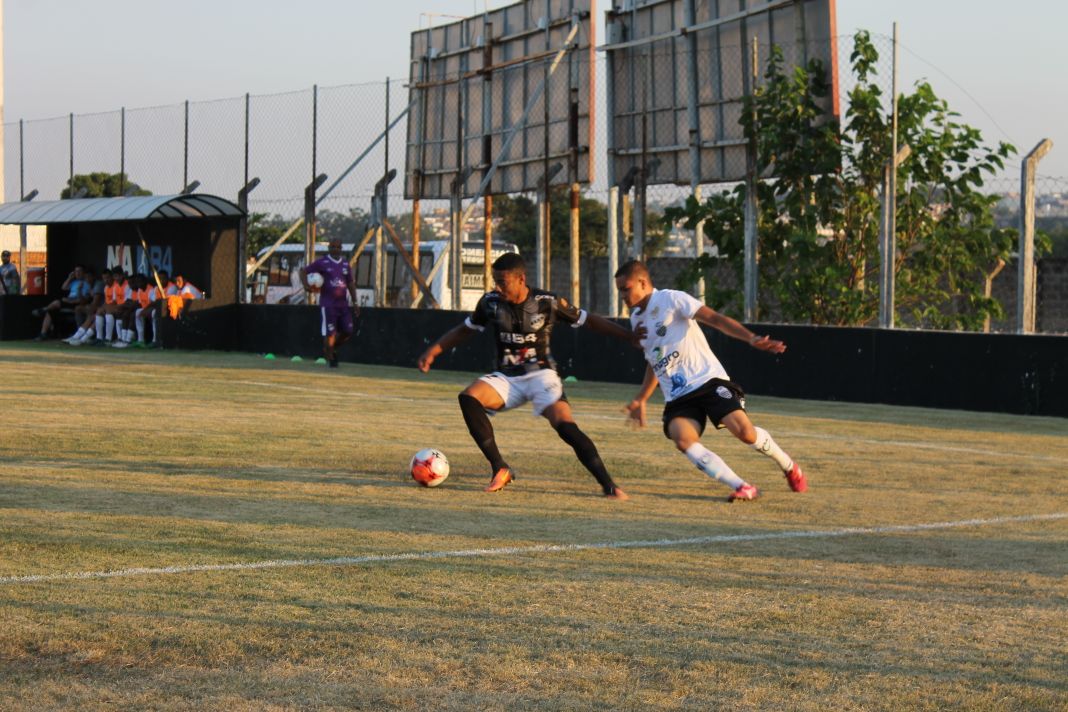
[{"x": 338, "y": 286}]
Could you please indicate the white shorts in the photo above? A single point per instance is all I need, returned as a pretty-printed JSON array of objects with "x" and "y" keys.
[{"x": 542, "y": 388}]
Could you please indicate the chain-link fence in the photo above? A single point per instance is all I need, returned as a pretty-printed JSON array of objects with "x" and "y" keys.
[{"x": 287, "y": 139}]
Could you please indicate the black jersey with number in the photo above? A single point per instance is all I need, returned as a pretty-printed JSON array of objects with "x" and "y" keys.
[{"x": 522, "y": 330}]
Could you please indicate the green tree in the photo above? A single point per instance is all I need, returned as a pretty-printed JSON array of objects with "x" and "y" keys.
[
  {"x": 101, "y": 185},
  {"x": 349, "y": 226},
  {"x": 819, "y": 217},
  {"x": 519, "y": 224},
  {"x": 264, "y": 230}
]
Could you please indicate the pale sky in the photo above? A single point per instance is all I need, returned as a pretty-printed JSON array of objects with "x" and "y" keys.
[{"x": 1001, "y": 67}]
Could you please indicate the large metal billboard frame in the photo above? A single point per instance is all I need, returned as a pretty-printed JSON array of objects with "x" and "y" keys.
[
  {"x": 470, "y": 84},
  {"x": 678, "y": 72}
]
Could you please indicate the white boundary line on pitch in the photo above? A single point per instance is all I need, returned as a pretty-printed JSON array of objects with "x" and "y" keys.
[{"x": 536, "y": 549}]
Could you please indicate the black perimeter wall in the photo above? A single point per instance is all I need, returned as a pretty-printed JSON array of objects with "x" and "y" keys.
[{"x": 985, "y": 372}]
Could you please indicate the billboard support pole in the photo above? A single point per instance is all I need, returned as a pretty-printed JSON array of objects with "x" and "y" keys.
[{"x": 456, "y": 237}]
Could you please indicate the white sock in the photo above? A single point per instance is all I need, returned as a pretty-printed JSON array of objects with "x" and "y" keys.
[
  {"x": 99, "y": 327},
  {"x": 140, "y": 329},
  {"x": 713, "y": 465},
  {"x": 109, "y": 326},
  {"x": 78, "y": 334},
  {"x": 766, "y": 446}
]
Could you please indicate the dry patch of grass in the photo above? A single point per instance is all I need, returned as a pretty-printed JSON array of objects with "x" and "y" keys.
[{"x": 260, "y": 461}]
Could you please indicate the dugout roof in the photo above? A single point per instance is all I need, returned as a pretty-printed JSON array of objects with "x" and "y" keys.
[{"x": 136, "y": 208}]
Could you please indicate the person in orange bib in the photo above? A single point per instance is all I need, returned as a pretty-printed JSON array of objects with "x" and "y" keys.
[
  {"x": 153, "y": 308},
  {"x": 115, "y": 296}
]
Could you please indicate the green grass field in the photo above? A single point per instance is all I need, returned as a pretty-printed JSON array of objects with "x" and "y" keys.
[{"x": 173, "y": 471}]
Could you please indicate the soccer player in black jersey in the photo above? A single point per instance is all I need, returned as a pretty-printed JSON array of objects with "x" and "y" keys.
[{"x": 522, "y": 319}]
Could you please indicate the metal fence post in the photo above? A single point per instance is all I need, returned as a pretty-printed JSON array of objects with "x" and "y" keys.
[
  {"x": 185, "y": 148},
  {"x": 242, "y": 237},
  {"x": 752, "y": 257},
  {"x": 122, "y": 151},
  {"x": 1027, "y": 284},
  {"x": 888, "y": 238},
  {"x": 70, "y": 182},
  {"x": 613, "y": 250}
]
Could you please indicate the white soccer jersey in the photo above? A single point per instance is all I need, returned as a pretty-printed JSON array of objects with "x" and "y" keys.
[{"x": 674, "y": 345}]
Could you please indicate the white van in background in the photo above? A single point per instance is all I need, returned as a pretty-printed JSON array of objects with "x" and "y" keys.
[{"x": 277, "y": 281}]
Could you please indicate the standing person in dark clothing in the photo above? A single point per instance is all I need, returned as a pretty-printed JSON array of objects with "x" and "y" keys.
[{"x": 522, "y": 318}]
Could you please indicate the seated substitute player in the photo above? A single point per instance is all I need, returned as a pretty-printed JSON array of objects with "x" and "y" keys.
[
  {"x": 78, "y": 294},
  {"x": 85, "y": 315},
  {"x": 694, "y": 384},
  {"x": 151, "y": 306},
  {"x": 338, "y": 285},
  {"x": 522, "y": 318}
]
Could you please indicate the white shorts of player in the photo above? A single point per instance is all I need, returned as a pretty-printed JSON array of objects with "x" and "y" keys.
[{"x": 542, "y": 388}]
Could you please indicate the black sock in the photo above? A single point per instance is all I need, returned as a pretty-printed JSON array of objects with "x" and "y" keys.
[
  {"x": 587, "y": 454},
  {"x": 478, "y": 424}
]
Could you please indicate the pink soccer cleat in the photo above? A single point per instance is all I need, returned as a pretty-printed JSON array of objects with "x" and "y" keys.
[
  {"x": 746, "y": 491},
  {"x": 796, "y": 478}
]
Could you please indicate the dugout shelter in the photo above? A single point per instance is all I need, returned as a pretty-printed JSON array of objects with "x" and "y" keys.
[{"x": 194, "y": 235}]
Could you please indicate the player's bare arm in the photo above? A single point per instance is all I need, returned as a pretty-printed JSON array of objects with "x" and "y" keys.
[
  {"x": 304, "y": 279},
  {"x": 601, "y": 325},
  {"x": 449, "y": 340},
  {"x": 635, "y": 410},
  {"x": 731, "y": 327}
]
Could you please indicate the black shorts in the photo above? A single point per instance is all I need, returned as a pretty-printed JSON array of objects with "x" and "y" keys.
[{"x": 714, "y": 401}]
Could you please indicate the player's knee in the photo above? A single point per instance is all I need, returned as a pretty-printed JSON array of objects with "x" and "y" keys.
[{"x": 468, "y": 402}]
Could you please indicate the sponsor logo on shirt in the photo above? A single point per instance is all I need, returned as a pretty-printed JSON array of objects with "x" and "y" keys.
[
  {"x": 537, "y": 321},
  {"x": 678, "y": 382},
  {"x": 508, "y": 337},
  {"x": 662, "y": 362}
]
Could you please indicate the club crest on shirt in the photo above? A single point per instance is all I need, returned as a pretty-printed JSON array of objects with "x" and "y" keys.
[{"x": 661, "y": 330}]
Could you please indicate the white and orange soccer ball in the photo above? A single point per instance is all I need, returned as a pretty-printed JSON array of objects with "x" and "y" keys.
[{"x": 429, "y": 467}]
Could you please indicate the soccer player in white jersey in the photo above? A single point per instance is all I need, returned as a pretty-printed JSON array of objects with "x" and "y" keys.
[{"x": 694, "y": 383}]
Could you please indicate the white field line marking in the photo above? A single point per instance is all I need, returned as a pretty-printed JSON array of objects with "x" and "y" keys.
[{"x": 524, "y": 550}]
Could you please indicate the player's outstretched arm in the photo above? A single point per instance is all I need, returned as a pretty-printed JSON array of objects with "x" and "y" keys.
[
  {"x": 731, "y": 327},
  {"x": 635, "y": 410},
  {"x": 601, "y": 325},
  {"x": 449, "y": 340}
]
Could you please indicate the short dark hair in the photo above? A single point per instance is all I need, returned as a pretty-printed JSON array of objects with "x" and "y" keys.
[
  {"x": 633, "y": 268},
  {"x": 510, "y": 262}
]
